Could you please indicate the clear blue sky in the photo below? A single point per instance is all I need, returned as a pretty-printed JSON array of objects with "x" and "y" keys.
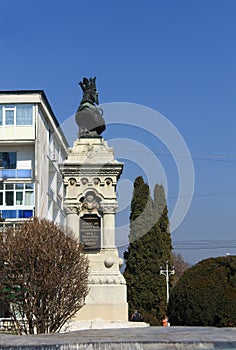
[{"x": 176, "y": 57}]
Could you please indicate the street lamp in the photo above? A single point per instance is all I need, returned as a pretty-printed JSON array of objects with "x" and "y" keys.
[{"x": 167, "y": 274}]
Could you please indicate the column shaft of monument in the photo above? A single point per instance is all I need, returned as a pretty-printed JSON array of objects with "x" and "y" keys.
[
  {"x": 109, "y": 212},
  {"x": 72, "y": 218},
  {"x": 108, "y": 230}
]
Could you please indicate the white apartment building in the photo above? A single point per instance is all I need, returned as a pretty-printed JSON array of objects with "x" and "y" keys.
[{"x": 31, "y": 147}]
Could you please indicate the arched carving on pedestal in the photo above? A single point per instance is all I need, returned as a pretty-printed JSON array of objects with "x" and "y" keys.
[{"x": 90, "y": 202}]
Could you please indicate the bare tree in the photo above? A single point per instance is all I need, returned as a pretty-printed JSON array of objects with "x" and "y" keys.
[
  {"x": 180, "y": 266},
  {"x": 43, "y": 275}
]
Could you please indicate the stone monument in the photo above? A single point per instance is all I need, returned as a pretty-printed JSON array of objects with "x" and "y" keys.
[{"x": 90, "y": 175}]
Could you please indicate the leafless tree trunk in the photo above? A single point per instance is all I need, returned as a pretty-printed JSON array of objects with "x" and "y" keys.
[{"x": 180, "y": 266}]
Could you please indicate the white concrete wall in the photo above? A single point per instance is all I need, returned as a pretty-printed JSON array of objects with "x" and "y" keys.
[{"x": 32, "y": 146}]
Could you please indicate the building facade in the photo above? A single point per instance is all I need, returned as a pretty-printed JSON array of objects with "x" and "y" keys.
[{"x": 31, "y": 147}]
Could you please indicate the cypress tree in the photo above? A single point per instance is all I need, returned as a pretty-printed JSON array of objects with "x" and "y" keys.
[
  {"x": 163, "y": 245},
  {"x": 162, "y": 224},
  {"x": 149, "y": 248}
]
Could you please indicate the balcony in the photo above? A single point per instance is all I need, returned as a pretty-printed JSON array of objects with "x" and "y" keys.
[{"x": 15, "y": 173}]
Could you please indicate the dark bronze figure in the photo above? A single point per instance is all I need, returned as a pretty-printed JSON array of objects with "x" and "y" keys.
[{"x": 88, "y": 116}]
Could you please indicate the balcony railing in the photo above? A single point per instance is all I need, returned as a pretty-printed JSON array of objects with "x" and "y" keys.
[
  {"x": 7, "y": 325},
  {"x": 15, "y": 173}
]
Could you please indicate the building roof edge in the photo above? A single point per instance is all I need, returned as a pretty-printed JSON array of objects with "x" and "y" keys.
[{"x": 44, "y": 97}]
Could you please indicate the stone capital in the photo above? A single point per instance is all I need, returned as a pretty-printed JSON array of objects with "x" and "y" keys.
[
  {"x": 109, "y": 208},
  {"x": 71, "y": 208}
]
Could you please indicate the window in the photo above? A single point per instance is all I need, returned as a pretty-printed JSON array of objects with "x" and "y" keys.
[
  {"x": 0, "y": 115},
  {"x": 24, "y": 115},
  {"x": 1, "y": 193},
  {"x": 17, "y": 194},
  {"x": 8, "y": 160},
  {"x": 9, "y": 194},
  {"x": 19, "y": 114},
  {"x": 29, "y": 194},
  {"x": 19, "y": 198},
  {"x": 9, "y": 115}
]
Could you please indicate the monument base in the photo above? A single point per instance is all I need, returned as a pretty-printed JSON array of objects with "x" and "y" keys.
[
  {"x": 100, "y": 324},
  {"x": 107, "y": 298},
  {"x": 105, "y": 311}
]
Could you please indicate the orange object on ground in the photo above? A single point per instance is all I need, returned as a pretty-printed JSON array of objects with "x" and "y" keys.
[{"x": 165, "y": 322}]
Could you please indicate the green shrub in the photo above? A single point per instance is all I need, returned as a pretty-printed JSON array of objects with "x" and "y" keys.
[{"x": 205, "y": 295}]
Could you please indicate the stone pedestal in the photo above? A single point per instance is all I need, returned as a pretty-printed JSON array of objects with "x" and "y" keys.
[{"x": 90, "y": 176}]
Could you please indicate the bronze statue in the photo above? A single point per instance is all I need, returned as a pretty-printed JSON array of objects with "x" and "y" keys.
[{"x": 88, "y": 116}]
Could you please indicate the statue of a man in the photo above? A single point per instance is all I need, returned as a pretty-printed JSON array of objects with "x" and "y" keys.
[{"x": 88, "y": 116}]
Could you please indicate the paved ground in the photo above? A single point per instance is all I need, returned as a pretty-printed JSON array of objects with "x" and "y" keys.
[{"x": 149, "y": 338}]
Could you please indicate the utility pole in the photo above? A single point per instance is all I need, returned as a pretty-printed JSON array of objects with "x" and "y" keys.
[{"x": 167, "y": 274}]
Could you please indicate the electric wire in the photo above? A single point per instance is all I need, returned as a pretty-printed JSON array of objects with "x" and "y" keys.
[
  {"x": 199, "y": 245},
  {"x": 207, "y": 157}
]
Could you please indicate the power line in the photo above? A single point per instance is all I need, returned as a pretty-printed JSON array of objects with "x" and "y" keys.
[
  {"x": 205, "y": 244},
  {"x": 205, "y": 248},
  {"x": 203, "y": 241},
  {"x": 194, "y": 195},
  {"x": 207, "y": 157},
  {"x": 199, "y": 245},
  {"x": 204, "y": 195}
]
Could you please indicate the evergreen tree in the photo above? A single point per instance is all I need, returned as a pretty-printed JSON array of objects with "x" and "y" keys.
[
  {"x": 149, "y": 248},
  {"x": 141, "y": 209}
]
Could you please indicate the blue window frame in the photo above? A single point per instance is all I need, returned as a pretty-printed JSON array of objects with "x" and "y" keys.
[
  {"x": 15, "y": 173},
  {"x": 17, "y": 214}
]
